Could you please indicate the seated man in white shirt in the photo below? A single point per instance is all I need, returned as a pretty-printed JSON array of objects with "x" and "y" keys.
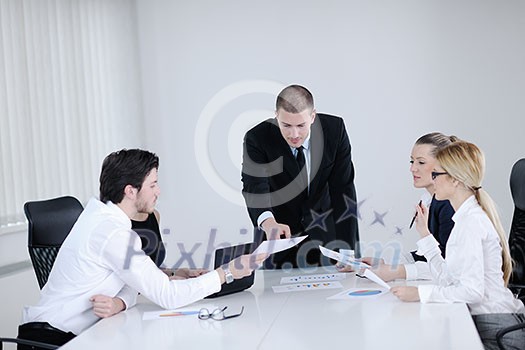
[{"x": 101, "y": 267}]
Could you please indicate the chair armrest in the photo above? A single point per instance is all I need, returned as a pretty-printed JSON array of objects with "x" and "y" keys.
[
  {"x": 26, "y": 342},
  {"x": 501, "y": 333}
]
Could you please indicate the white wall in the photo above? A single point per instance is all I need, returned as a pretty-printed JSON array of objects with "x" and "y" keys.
[
  {"x": 13, "y": 245},
  {"x": 17, "y": 290},
  {"x": 393, "y": 69},
  {"x": 70, "y": 93}
]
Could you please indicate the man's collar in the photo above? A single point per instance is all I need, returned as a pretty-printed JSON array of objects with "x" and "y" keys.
[{"x": 306, "y": 143}]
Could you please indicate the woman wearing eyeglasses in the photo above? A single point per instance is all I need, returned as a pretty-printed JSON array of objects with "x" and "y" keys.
[
  {"x": 422, "y": 162},
  {"x": 477, "y": 266}
]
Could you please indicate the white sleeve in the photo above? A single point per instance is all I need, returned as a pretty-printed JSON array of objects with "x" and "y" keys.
[
  {"x": 128, "y": 296},
  {"x": 459, "y": 278},
  {"x": 264, "y": 216},
  {"x": 417, "y": 271},
  {"x": 123, "y": 254}
]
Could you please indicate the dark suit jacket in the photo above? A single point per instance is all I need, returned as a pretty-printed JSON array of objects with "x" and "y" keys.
[
  {"x": 328, "y": 214},
  {"x": 440, "y": 224}
]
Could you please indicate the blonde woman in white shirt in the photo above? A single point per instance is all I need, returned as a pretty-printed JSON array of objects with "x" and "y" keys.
[
  {"x": 422, "y": 161},
  {"x": 477, "y": 266}
]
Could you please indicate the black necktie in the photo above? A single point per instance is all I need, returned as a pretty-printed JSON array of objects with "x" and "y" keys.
[{"x": 303, "y": 177}]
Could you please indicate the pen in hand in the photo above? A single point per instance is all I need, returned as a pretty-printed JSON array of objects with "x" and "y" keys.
[{"x": 414, "y": 218}]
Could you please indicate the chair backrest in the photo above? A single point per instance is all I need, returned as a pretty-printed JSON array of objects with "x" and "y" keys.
[
  {"x": 517, "y": 230},
  {"x": 49, "y": 223},
  {"x": 517, "y": 184}
]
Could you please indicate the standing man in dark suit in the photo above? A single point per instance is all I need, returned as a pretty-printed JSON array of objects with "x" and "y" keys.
[{"x": 298, "y": 179}]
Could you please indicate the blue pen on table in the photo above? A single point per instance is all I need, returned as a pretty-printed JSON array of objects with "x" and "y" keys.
[{"x": 415, "y": 216}]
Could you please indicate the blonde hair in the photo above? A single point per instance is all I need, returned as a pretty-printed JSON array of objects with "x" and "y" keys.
[
  {"x": 465, "y": 162},
  {"x": 436, "y": 139}
]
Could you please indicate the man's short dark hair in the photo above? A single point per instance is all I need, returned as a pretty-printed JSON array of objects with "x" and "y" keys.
[
  {"x": 122, "y": 168},
  {"x": 294, "y": 99}
]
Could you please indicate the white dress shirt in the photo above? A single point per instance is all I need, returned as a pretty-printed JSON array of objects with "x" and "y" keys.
[
  {"x": 471, "y": 272},
  {"x": 307, "y": 161},
  {"x": 102, "y": 255}
]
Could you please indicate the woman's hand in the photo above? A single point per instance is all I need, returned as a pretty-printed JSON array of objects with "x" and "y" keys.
[
  {"x": 343, "y": 267},
  {"x": 422, "y": 220},
  {"x": 384, "y": 271},
  {"x": 406, "y": 293}
]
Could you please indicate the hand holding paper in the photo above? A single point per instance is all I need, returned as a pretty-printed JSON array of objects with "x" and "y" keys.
[
  {"x": 274, "y": 246},
  {"x": 375, "y": 278},
  {"x": 343, "y": 258}
]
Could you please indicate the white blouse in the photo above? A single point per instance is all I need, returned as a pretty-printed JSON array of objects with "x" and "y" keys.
[{"x": 471, "y": 272}]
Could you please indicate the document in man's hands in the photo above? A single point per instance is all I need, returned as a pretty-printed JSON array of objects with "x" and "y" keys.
[
  {"x": 345, "y": 259},
  {"x": 277, "y": 245}
]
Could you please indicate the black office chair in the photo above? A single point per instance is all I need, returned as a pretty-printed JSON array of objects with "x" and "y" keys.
[
  {"x": 501, "y": 333},
  {"x": 26, "y": 342},
  {"x": 49, "y": 223},
  {"x": 516, "y": 242},
  {"x": 517, "y": 229}
]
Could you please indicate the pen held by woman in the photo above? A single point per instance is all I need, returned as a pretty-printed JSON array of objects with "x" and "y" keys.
[{"x": 415, "y": 216}]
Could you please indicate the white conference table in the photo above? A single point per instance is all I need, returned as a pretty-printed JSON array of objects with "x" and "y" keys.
[{"x": 294, "y": 320}]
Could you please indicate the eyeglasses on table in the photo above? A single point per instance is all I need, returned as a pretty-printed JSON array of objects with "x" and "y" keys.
[{"x": 217, "y": 314}]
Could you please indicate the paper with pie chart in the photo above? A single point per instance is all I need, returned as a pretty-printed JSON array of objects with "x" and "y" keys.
[{"x": 358, "y": 294}]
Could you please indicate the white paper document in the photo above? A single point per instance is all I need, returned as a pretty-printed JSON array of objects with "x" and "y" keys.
[
  {"x": 277, "y": 245},
  {"x": 314, "y": 278},
  {"x": 192, "y": 312},
  {"x": 358, "y": 294},
  {"x": 303, "y": 287},
  {"x": 348, "y": 260},
  {"x": 375, "y": 278}
]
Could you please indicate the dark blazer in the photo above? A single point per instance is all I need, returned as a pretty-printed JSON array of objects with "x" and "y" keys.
[
  {"x": 440, "y": 224},
  {"x": 328, "y": 213}
]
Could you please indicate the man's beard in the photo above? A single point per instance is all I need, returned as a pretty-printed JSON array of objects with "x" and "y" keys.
[{"x": 142, "y": 207}]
